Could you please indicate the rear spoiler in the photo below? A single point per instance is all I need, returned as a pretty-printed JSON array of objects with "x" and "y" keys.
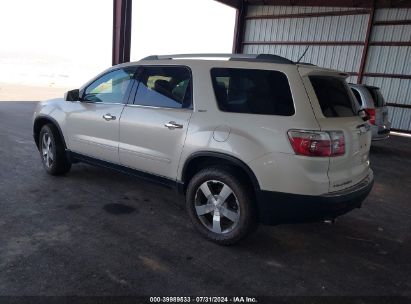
[{"x": 306, "y": 70}]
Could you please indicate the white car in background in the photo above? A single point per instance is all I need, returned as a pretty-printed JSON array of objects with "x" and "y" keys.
[{"x": 252, "y": 139}]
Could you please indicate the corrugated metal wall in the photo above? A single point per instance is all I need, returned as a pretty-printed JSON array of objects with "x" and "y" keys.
[
  {"x": 393, "y": 61},
  {"x": 336, "y": 39}
]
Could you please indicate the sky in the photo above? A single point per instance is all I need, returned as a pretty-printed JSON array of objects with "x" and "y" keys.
[{"x": 67, "y": 42}]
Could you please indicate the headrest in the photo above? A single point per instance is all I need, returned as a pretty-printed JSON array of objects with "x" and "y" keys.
[{"x": 161, "y": 85}]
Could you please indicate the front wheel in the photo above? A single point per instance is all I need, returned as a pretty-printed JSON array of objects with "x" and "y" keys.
[
  {"x": 52, "y": 152},
  {"x": 220, "y": 206}
]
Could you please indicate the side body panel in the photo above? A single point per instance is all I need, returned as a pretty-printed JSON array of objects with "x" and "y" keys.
[
  {"x": 54, "y": 109},
  {"x": 88, "y": 133},
  {"x": 89, "y": 128},
  {"x": 146, "y": 144},
  {"x": 346, "y": 170},
  {"x": 260, "y": 141}
]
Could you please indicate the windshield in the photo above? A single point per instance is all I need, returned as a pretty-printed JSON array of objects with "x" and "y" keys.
[{"x": 334, "y": 96}]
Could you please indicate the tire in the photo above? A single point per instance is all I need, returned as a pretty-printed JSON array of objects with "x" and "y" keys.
[
  {"x": 220, "y": 205},
  {"x": 52, "y": 151}
]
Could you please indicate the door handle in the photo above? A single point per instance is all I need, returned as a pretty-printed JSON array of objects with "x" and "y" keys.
[
  {"x": 173, "y": 125},
  {"x": 108, "y": 117}
]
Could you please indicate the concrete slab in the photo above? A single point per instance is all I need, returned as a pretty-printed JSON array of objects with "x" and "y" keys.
[{"x": 63, "y": 236}]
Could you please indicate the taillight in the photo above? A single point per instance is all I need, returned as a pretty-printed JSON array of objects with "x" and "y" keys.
[
  {"x": 317, "y": 143},
  {"x": 337, "y": 143},
  {"x": 371, "y": 112}
]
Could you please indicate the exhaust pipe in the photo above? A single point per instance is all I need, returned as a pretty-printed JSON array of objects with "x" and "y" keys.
[{"x": 330, "y": 221}]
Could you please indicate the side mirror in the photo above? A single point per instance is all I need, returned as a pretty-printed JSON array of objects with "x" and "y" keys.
[
  {"x": 364, "y": 114},
  {"x": 73, "y": 95}
]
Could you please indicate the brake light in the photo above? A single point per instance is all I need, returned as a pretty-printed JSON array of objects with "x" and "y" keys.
[
  {"x": 317, "y": 143},
  {"x": 337, "y": 143},
  {"x": 371, "y": 112}
]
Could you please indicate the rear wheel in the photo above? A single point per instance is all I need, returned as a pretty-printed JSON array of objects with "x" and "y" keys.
[
  {"x": 220, "y": 205},
  {"x": 52, "y": 152}
]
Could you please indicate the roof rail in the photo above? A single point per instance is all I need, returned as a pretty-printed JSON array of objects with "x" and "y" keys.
[
  {"x": 306, "y": 63},
  {"x": 237, "y": 57}
]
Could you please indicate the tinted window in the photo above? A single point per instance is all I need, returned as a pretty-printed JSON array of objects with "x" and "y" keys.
[
  {"x": 111, "y": 87},
  {"x": 357, "y": 96},
  {"x": 252, "y": 91},
  {"x": 376, "y": 97},
  {"x": 168, "y": 87},
  {"x": 333, "y": 95}
]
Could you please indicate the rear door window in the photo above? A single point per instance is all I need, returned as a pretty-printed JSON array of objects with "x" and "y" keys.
[
  {"x": 165, "y": 87},
  {"x": 376, "y": 97},
  {"x": 334, "y": 96},
  {"x": 357, "y": 96},
  {"x": 252, "y": 91}
]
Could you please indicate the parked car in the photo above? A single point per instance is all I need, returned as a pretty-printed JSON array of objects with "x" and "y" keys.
[
  {"x": 253, "y": 139},
  {"x": 371, "y": 100}
]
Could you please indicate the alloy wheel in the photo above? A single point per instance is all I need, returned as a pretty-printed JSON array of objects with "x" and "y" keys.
[
  {"x": 47, "y": 149},
  {"x": 217, "y": 207}
]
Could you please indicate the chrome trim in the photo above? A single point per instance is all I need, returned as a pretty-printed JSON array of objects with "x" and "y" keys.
[
  {"x": 103, "y": 103},
  {"x": 364, "y": 183},
  {"x": 154, "y": 107},
  {"x": 204, "y": 55},
  {"x": 108, "y": 117},
  {"x": 173, "y": 125}
]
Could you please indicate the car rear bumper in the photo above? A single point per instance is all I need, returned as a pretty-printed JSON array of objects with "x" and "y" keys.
[
  {"x": 381, "y": 132},
  {"x": 283, "y": 208}
]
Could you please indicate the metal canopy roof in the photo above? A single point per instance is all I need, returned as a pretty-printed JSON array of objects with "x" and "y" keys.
[
  {"x": 335, "y": 3},
  {"x": 122, "y": 17}
]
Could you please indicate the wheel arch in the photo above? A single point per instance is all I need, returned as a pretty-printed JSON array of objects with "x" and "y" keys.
[
  {"x": 42, "y": 120},
  {"x": 199, "y": 160}
]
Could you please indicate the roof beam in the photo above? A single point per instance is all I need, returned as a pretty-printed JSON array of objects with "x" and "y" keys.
[
  {"x": 121, "y": 31},
  {"x": 366, "y": 45},
  {"x": 233, "y": 3},
  {"x": 332, "y": 3},
  {"x": 312, "y": 15},
  {"x": 241, "y": 14}
]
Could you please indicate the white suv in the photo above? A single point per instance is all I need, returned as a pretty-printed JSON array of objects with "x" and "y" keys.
[{"x": 253, "y": 138}]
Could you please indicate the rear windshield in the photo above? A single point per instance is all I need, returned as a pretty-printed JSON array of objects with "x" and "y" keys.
[
  {"x": 334, "y": 96},
  {"x": 252, "y": 91},
  {"x": 357, "y": 95},
  {"x": 376, "y": 97}
]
